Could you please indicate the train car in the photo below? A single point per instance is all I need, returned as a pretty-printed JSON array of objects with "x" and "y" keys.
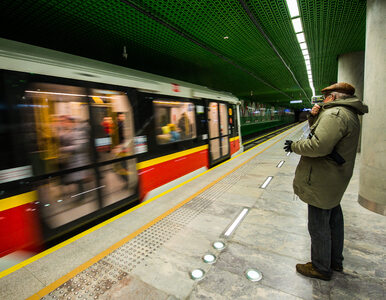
[{"x": 81, "y": 139}]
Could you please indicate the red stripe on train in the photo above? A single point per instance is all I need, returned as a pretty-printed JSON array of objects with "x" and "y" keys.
[
  {"x": 20, "y": 230},
  {"x": 162, "y": 173}
]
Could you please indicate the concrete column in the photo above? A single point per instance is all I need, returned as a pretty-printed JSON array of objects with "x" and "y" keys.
[
  {"x": 372, "y": 181},
  {"x": 351, "y": 67}
]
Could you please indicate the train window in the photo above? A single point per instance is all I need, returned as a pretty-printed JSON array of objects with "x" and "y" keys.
[
  {"x": 15, "y": 135},
  {"x": 175, "y": 121},
  {"x": 219, "y": 121},
  {"x": 214, "y": 130},
  {"x": 61, "y": 123},
  {"x": 235, "y": 121},
  {"x": 113, "y": 124},
  {"x": 112, "y": 120}
]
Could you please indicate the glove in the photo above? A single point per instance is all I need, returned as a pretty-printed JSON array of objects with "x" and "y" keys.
[{"x": 287, "y": 146}]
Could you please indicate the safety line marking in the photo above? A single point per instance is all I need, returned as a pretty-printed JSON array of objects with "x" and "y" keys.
[
  {"x": 96, "y": 227},
  {"x": 49, "y": 288}
]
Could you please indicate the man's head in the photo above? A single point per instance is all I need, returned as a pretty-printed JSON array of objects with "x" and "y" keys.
[
  {"x": 338, "y": 90},
  {"x": 121, "y": 116}
]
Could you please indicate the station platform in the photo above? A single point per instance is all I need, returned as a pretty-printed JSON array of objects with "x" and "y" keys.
[{"x": 150, "y": 251}]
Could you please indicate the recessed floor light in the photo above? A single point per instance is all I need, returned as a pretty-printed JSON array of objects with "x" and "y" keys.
[
  {"x": 236, "y": 222},
  {"x": 197, "y": 274},
  {"x": 209, "y": 258},
  {"x": 218, "y": 245},
  {"x": 253, "y": 275},
  {"x": 266, "y": 182}
]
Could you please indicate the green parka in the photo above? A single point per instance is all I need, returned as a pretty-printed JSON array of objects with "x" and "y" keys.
[{"x": 319, "y": 180}]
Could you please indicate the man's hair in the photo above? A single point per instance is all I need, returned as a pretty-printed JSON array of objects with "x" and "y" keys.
[{"x": 340, "y": 95}]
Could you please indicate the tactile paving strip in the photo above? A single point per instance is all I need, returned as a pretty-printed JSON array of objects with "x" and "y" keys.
[{"x": 113, "y": 269}]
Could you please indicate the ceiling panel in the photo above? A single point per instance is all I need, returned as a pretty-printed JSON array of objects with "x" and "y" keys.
[{"x": 222, "y": 44}]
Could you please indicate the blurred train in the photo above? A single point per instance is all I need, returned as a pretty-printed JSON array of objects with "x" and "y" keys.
[{"x": 81, "y": 139}]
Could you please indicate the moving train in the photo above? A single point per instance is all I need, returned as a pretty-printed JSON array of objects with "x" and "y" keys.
[{"x": 81, "y": 139}]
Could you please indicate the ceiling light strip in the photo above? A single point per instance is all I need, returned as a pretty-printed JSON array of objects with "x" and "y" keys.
[
  {"x": 293, "y": 9},
  {"x": 297, "y": 23},
  {"x": 258, "y": 26},
  {"x": 303, "y": 46}
]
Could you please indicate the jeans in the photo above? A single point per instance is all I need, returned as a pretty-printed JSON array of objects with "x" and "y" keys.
[{"x": 327, "y": 235}]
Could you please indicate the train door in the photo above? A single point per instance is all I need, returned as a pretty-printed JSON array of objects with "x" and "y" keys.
[
  {"x": 85, "y": 151},
  {"x": 113, "y": 127},
  {"x": 218, "y": 132}
]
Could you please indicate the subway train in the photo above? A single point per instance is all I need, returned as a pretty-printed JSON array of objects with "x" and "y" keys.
[{"x": 82, "y": 139}]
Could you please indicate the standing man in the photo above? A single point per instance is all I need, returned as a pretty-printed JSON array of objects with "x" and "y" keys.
[
  {"x": 323, "y": 173},
  {"x": 121, "y": 127}
]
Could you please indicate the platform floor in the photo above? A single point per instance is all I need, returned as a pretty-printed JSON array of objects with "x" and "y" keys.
[{"x": 149, "y": 252}]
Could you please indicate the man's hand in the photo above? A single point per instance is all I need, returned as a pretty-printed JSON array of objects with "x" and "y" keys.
[
  {"x": 287, "y": 146},
  {"x": 315, "y": 110}
]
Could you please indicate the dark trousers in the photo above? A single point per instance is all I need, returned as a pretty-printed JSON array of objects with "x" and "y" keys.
[{"x": 327, "y": 235}]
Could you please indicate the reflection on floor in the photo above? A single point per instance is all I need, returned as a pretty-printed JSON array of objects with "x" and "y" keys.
[{"x": 14, "y": 258}]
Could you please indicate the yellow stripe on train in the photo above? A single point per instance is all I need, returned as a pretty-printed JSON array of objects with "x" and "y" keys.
[
  {"x": 18, "y": 200},
  {"x": 158, "y": 160}
]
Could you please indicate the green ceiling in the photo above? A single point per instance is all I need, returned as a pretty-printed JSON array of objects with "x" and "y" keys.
[{"x": 185, "y": 39}]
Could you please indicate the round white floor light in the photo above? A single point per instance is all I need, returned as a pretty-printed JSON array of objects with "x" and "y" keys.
[
  {"x": 218, "y": 245},
  {"x": 197, "y": 274},
  {"x": 253, "y": 275},
  {"x": 209, "y": 258}
]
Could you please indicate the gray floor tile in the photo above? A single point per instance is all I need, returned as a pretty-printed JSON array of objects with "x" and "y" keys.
[
  {"x": 191, "y": 243},
  {"x": 169, "y": 272},
  {"x": 212, "y": 226},
  {"x": 59, "y": 263},
  {"x": 99, "y": 240},
  {"x": 282, "y": 203},
  {"x": 279, "y": 221},
  {"x": 273, "y": 240},
  {"x": 19, "y": 285},
  {"x": 220, "y": 284},
  {"x": 132, "y": 288}
]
